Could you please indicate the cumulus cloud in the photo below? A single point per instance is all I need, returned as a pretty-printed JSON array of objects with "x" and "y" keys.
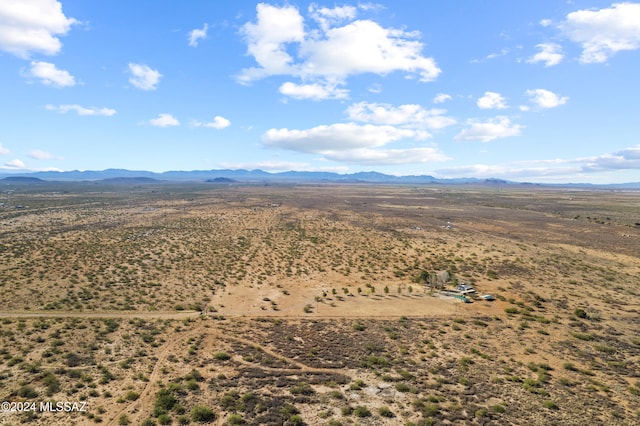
[
  {"x": 492, "y": 100},
  {"x": 545, "y": 98},
  {"x": 144, "y": 77},
  {"x": 334, "y": 137},
  {"x": 368, "y": 156},
  {"x": 554, "y": 169},
  {"x": 354, "y": 143},
  {"x": 625, "y": 159},
  {"x": 495, "y": 128},
  {"x": 80, "y": 110},
  {"x": 408, "y": 115},
  {"x": 604, "y": 32},
  {"x": 266, "y": 39},
  {"x": 49, "y": 75},
  {"x": 314, "y": 91},
  {"x": 198, "y": 34},
  {"x": 14, "y": 164},
  {"x": 164, "y": 120},
  {"x": 327, "y": 17},
  {"x": 441, "y": 98},
  {"x": 3, "y": 150},
  {"x": 28, "y": 26},
  {"x": 329, "y": 54},
  {"x": 366, "y": 47},
  {"x": 218, "y": 122},
  {"x": 549, "y": 53}
]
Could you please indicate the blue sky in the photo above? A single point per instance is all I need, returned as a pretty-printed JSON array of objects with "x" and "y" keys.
[{"x": 543, "y": 91}]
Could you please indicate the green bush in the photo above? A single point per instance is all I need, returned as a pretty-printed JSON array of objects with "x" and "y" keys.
[
  {"x": 221, "y": 356},
  {"x": 202, "y": 414},
  {"x": 385, "y": 412},
  {"x": 164, "y": 419},
  {"x": 361, "y": 411},
  {"x": 27, "y": 391}
]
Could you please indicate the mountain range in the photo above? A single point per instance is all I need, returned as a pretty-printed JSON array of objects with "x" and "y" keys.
[{"x": 259, "y": 176}]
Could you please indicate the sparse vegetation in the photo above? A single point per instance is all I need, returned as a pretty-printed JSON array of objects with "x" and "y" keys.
[{"x": 279, "y": 315}]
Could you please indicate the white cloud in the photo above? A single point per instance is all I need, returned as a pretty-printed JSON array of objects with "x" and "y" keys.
[
  {"x": 441, "y": 98},
  {"x": 552, "y": 170},
  {"x": 49, "y": 75},
  {"x": 4, "y": 151},
  {"x": 266, "y": 165},
  {"x": 329, "y": 54},
  {"x": 549, "y": 53},
  {"x": 217, "y": 123},
  {"x": 266, "y": 40},
  {"x": 503, "y": 52},
  {"x": 353, "y": 143},
  {"x": 164, "y": 120},
  {"x": 408, "y": 115},
  {"x": 626, "y": 159},
  {"x": 369, "y": 156},
  {"x": 492, "y": 100},
  {"x": 313, "y": 91},
  {"x": 495, "y": 128},
  {"x": 603, "y": 32},
  {"x": 28, "y": 26},
  {"x": 375, "y": 88},
  {"x": 38, "y": 154},
  {"x": 80, "y": 110},
  {"x": 14, "y": 164},
  {"x": 327, "y": 17},
  {"x": 545, "y": 22},
  {"x": 197, "y": 34},
  {"x": 143, "y": 77},
  {"x": 366, "y": 47},
  {"x": 334, "y": 137},
  {"x": 545, "y": 98}
]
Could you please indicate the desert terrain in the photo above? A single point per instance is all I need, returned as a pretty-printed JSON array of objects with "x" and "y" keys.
[{"x": 203, "y": 303}]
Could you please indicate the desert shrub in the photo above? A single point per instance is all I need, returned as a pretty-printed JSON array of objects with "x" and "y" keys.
[
  {"x": 202, "y": 414},
  {"x": 221, "y": 356},
  {"x": 296, "y": 419},
  {"x": 580, "y": 313},
  {"x": 384, "y": 411},
  {"x": 302, "y": 389},
  {"x": 402, "y": 387},
  {"x": 164, "y": 419},
  {"x": 27, "y": 391},
  {"x": 498, "y": 408},
  {"x": 582, "y": 336},
  {"x": 357, "y": 385},
  {"x": 361, "y": 411},
  {"x": 359, "y": 327},
  {"x": 131, "y": 396},
  {"x": 52, "y": 383},
  {"x": 164, "y": 401},
  {"x": 235, "y": 419}
]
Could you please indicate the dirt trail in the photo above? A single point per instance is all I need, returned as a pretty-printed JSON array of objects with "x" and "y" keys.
[
  {"x": 146, "y": 399},
  {"x": 94, "y": 314},
  {"x": 133, "y": 410}
]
